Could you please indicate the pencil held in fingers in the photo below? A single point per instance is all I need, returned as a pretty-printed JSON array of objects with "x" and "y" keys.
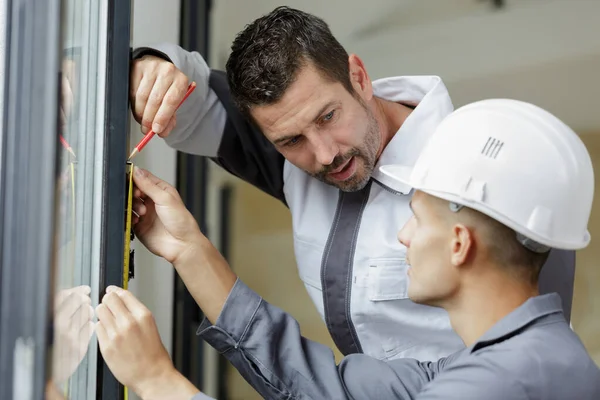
[{"x": 151, "y": 134}]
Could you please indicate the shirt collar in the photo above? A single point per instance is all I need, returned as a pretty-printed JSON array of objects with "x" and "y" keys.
[
  {"x": 433, "y": 104},
  {"x": 533, "y": 309}
]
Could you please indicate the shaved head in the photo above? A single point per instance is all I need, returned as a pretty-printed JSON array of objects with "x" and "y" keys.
[{"x": 496, "y": 241}]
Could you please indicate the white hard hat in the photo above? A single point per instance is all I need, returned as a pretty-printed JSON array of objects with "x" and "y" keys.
[{"x": 514, "y": 162}]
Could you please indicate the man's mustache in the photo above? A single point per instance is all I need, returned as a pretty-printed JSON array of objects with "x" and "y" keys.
[{"x": 338, "y": 161}]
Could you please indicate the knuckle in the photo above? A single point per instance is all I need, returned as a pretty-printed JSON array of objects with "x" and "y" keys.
[
  {"x": 181, "y": 80},
  {"x": 147, "y": 61},
  {"x": 155, "y": 98},
  {"x": 168, "y": 68},
  {"x": 128, "y": 327},
  {"x": 146, "y": 317},
  {"x": 172, "y": 98},
  {"x": 142, "y": 94}
]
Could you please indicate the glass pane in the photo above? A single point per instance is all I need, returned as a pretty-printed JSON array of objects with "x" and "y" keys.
[{"x": 83, "y": 39}]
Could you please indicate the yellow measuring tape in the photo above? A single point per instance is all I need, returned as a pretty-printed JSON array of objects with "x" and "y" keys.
[
  {"x": 128, "y": 253},
  {"x": 127, "y": 256}
]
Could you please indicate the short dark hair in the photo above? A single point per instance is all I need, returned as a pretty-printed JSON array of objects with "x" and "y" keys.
[
  {"x": 267, "y": 55},
  {"x": 506, "y": 250}
]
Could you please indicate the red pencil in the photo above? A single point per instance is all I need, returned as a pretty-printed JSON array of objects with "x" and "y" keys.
[
  {"x": 66, "y": 145},
  {"x": 150, "y": 134}
]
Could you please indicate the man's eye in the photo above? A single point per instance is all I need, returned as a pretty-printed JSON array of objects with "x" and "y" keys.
[
  {"x": 293, "y": 141},
  {"x": 328, "y": 116}
]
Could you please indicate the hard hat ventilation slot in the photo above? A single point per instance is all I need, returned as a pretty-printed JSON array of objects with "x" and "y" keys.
[
  {"x": 455, "y": 207},
  {"x": 492, "y": 147}
]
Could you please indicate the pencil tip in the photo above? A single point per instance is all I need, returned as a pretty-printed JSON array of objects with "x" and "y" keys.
[{"x": 133, "y": 153}]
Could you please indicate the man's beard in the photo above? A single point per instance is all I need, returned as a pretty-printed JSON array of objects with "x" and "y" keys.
[{"x": 367, "y": 153}]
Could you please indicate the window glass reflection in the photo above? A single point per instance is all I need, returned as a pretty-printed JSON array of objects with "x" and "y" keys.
[{"x": 77, "y": 236}]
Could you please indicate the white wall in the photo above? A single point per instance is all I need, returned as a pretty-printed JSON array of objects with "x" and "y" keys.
[
  {"x": 155, "y": 21},
  {"x": 544, "y": 51}
]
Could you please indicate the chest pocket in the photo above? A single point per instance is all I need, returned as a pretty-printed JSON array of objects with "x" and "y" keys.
[
  {"x": 387, "y": 279},
  {"x": 309, "y": 257}
]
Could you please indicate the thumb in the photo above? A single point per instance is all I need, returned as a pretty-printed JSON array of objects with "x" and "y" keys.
[{"x": 159, "y": 191}]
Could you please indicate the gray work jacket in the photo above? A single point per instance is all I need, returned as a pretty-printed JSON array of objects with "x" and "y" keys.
[{"x": 530, "y": 354}]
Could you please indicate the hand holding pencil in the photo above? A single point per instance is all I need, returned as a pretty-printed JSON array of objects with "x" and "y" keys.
[
  {"x": 157, "y": 89},
  {"x": 151, "y": 134}
]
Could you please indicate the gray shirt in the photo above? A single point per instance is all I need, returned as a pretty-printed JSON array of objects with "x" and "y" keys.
[{"x": 530, "y": 354}]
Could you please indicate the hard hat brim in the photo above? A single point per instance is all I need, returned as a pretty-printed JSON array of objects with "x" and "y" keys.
[
  {"x": 401, "y": 179},
  {"x": 398, "y": 177}
]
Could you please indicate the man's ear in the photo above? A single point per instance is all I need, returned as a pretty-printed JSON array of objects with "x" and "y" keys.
[
  {"x": 359, "y": 78},
  {"x": 462, "y": 245}
]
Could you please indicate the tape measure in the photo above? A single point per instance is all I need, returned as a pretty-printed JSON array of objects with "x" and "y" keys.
[{"x": 128, "y": 267}]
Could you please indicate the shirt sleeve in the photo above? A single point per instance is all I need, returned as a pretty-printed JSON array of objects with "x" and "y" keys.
[
  {"x": 265, "y": 345},
  {"x": 473, "y": 378},
  {"x": 201, "y": 118}
]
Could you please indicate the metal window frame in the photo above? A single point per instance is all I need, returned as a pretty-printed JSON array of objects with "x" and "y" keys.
[
  {"x": 27, "y": 205},
  {"x": 192, "y": 183},
  {"x": 116, "y": 139},
  {"x": 28, "y": 176},
  {"x": 226, "y": 195}
]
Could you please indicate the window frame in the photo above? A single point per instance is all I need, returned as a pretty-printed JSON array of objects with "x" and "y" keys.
[
  {"x": 28, "y": 178},
  {"x": 192, "y": 184},
  {"x": 116, "y": 139},
  {"x": 28, "y": 166}
]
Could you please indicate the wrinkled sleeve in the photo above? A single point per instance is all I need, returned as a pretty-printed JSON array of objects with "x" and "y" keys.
[
  {"x": 474, "y": 379},
  {"x": 265, "y": 345}
]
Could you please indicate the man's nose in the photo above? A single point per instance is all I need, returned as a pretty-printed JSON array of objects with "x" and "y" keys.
[
  {"x": 325, "y": 150},
  {"x": 405, "y": 233}
]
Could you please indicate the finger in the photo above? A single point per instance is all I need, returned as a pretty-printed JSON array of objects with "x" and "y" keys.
[
  {"x": 85, "y": 334},
  {"x": 135, "y": 79},
  {"x": 63, "y": 294},
  {"x": 70, "y": 306},
  {"x": 87, "y": 316},
  {"x": 138, "y": 193},
  {"x": 69, "y": 70},
  {"x": 148, "y": 218},
  {"x": 103, "y": 338},
  {"x": 171, "y": 99},
  {"x": 82, "y": 317},
  {"x": 63, "y": 117},
  {"x": 155, "y": 188},
  {"x": 118, "y": 309},
  {"x": 142, "y": 95},
  {"x": 135, "y": 307},
  {"x": 107, "y": 319},
  {"x": 157, "y": 97},
  {"x": 169, "y": 127},
  {"x": 139, "y": 207},
  {"x": 149, "y": 214},
  {"x": 67, "y": 96},
  {"x": 83, "y": 289}
]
